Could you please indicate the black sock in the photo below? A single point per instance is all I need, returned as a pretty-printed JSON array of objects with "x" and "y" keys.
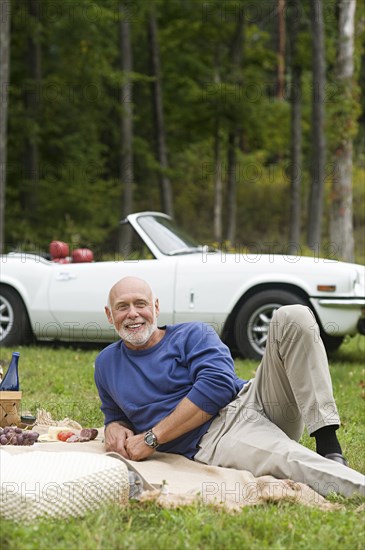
[{"x": 326, "y": 440}]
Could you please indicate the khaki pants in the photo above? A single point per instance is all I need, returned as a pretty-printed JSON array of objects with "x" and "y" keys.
[{"x": 259, "y": 430}]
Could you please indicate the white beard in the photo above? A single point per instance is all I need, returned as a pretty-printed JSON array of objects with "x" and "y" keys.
[{"x": 139, "y": 338}]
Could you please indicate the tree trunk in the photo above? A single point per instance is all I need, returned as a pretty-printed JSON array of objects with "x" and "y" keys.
[
  {"x": 295, "y": 138},
  {"x": 280, "y": 85},
  {"x": 341, "y": 218},
  {"x": 318, "y": 135},
  {"x": 232, "y": 186},
  {"x": 218, "y": 184},
  {"x": 126, "y": 155},
  {"x": 165, "y": 185},
  {"x": 296, "y": 163},
  {"x": 234, "y": 133},
  {"x": 32, "y": 102},
  {"x": 4, "y": 88}
]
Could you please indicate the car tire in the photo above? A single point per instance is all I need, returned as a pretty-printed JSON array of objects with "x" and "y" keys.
[
  {"x": 14, "y": 323},
  {"x": 253, "y": 319},
  {"x": 331, "y": 343}
]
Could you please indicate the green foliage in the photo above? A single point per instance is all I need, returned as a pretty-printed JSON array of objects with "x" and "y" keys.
[{"x": 77, "y": 107}]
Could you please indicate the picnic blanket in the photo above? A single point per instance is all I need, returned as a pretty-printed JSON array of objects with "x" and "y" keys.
[{"x": 172, "y": 480}]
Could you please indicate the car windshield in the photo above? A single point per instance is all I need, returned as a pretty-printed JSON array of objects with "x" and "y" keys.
[{"x": 168, "y": 238}]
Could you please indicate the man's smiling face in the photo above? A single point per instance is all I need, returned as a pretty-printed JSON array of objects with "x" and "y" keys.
[{"x": 133, "y": 311}]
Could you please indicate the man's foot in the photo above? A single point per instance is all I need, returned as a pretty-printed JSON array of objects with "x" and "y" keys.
[
  {"x": 337, "y": 457},
  {"x": 326, "y": 440}
]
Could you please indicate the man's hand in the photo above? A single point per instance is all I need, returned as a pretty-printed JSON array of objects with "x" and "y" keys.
[
  {"x": 137, "y": 449},
  {"x": 116, "y": 437}
]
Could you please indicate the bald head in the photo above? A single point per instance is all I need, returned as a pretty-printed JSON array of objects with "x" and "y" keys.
[{"x": 130, "y": 285}]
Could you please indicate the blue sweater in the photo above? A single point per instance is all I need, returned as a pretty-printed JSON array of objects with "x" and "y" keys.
[{"x": 141, "y": 387}]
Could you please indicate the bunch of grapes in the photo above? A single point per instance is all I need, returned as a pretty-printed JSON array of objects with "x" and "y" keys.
[{"x": 11, "y": 435}]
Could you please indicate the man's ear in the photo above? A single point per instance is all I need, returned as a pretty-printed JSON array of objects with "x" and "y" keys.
[
  {"x": 109, "y": 315},
  {"x": 157, "y": 307}
]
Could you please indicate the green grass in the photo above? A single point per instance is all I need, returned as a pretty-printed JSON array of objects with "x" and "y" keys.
[{"x": 60, "y": 379}]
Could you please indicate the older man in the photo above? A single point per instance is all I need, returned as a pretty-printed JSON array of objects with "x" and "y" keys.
[{"x": 174, "y": 388}]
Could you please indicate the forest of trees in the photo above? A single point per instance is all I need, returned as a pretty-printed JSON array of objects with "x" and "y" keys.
[{"x": 243, "y": 119}]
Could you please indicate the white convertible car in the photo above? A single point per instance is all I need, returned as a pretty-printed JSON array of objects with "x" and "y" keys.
[{"x": 234, "y": 293}]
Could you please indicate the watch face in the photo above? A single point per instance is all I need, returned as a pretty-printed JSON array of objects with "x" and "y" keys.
[{"x": 150, "y": 439}]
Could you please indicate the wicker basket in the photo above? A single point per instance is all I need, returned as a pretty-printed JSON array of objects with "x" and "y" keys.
[{"x": 10, "y": 408}]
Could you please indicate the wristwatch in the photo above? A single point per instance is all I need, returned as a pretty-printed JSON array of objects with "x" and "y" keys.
[{"x": 150, "y": 439}]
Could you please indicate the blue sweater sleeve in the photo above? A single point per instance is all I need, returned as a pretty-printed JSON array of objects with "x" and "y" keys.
[{"x": 211, "y": 368}]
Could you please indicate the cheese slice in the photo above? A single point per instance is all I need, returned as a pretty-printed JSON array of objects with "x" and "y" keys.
[
  {"x": 46, "y": 437},
  {"x": 53, "y": 432}
]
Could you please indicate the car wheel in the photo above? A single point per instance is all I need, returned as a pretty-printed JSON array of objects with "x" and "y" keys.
[
  {"x": 14, "y": 323},
  {"x": 253, "y": 320},
  {"x": 331, "y": 343}
]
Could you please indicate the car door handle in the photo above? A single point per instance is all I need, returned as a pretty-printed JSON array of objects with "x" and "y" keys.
[{"x": 64, "y": 276}]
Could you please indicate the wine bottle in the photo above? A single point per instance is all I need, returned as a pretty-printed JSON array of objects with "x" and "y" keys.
[{"x": 10, "y": 381}]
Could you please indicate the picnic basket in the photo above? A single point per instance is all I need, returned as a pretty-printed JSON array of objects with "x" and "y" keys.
[{"x": 10, "y": 408}]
